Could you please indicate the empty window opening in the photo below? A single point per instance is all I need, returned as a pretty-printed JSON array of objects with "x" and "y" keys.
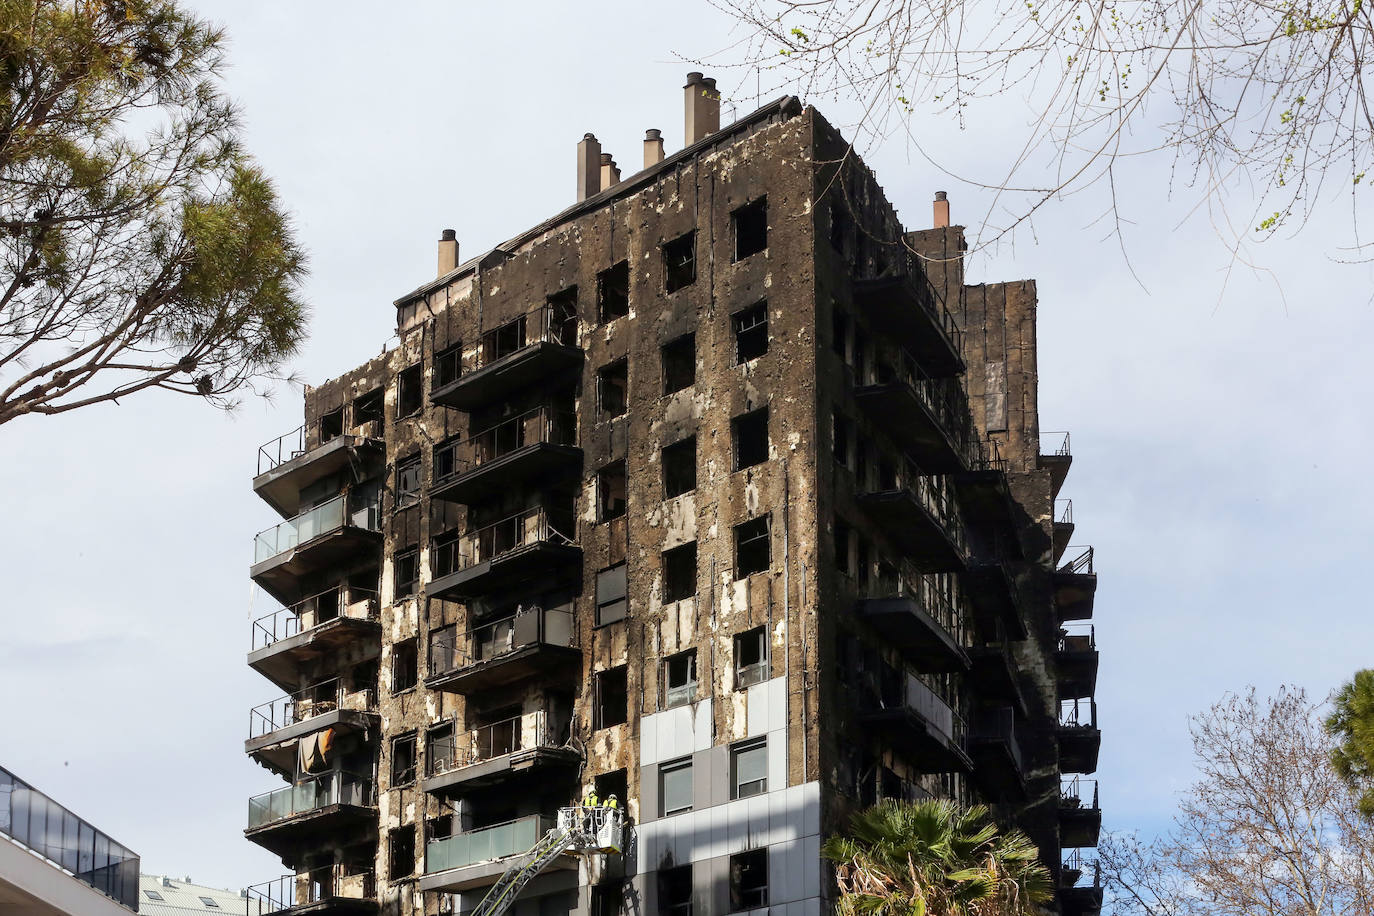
[
  {"x": 839, "y": 333},
  {"x": 680, "y": 467},
  {"x": 680, "y": 572},
  {"x": 408, "y": 481},
  {"x": 843, "y": 536},
  {"x": 840, "y": 435},
  {"x": 862, "y": 563},
  {"x": 680, "y": 262},
  {"x": 440, "y": 748},
  {"x": 860, "y": 357},
  {"x": 610, "y": 490},
  {"x": 404, "y": 665},
  {"x": 675, "y": 787},
  {"x": 331, "y": 425},
  {"x": 607, "y": 899},
  {"x": 614, "y": 783},
  {"x": 448, "y": 365},
  {"x": 751, "y": 332},
  {"x": 610, "y": 595},
  {"x": 751, "y": 657},
  {"x": 750, "y": 434},
  {"x": 612, "y": 697},
  {"x": 680, "y": 679},
  {"x": 751, "y": 547},
  {"x": 401, "y": 852},
  {"x": 503, "y": 341},
  {"x": 679, "y": 363},
  {"x": 675, "y": 891},
  {"x": 439, "y": 827},
  {"x": 403, "y": 757},
  {"x": 841, "y": 225},
  {"x": 613, "y": 292},
  {"x": 368, "y": 408},
  {"x": 612, "y": 386},
  {"x": 408, "y": 394},
  {"x": 406, "y": 567},
  {"x": 751, "y": 228},
  {"x": 749, "y": 880}
]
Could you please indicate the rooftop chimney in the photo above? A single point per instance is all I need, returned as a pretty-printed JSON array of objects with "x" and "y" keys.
[
  {"x": 653, "y": 147},
  {"x": 941, "y": 210},
  {"x": 448, "y": 251},
  {"x": 702, "y": 113},
  {"x": 588, "y": 167},
  {"x": 610, "y": 172}
]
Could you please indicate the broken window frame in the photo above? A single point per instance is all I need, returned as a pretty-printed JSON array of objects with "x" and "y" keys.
[
  {"x": 399, "y": 865},
  {"x": 680, "y": 576},
  {"x": 408, "y": 472},
  {"x": 750, "y": 326},
  {"x": 370, "y": 408},
  {"x": 331, "y": 425},
  {"x": 682, "y": 667},
  {"x": 747, "y": 674},
  {"x": 743, "y": 227},
  {"x": 401, "y": 745},
  {"x": 754, "y": 896},
  {"x": 405, "y": 666},
  {"x": 448, "y": 366},
  {"x": 609, "y": 479},
  {"x": 750, "y": 537},
  {"x": 679, "y": 262},
  {"x": 612, "y": 685},
  {"x": 841, "y": 435},
  {"x": 405, "y": 569},
  {"x": 679, "y": 462},
  {"x": 613, "y": 301},
  {"x": 410, "y": 395},
  {"x": 679, "y": 360},
  {"x": 617, "y": 405},
  {"x": 749, "y": 424}
]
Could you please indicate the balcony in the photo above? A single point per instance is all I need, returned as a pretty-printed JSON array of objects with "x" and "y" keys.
[
  {"x": 993, "y": 674},
  {"x": 286, "y": 466},
  {"x": 905, "y": 309},
  {"x": 55, "y": 834},
  {"x": 288, "y": 642},
  {"x": 984, "y": 492},
  {"x": 312, "y": 542},
  {"x": 533, "y": 642},
  {"x": 1075, "y": 585},
  {"x": 994, "y": 594},
  {"x": 533, "y": 744},
  {"x": 1080, "y": 885},
  {"x": 909, "y": 612},
  {"x": 998, "y": 766},
  {"x": 536, "y": 445},
  {"x": 1080, "y": 817},
  {"x": 1075, "y": 660},
  {"x": 514, "y": 357},
  {"x": 327, "y": 890},
  {"x": 491, "y": 559},
  {"x": 1056, "y": 457},
  {"x": 927, "y": 418},
  {"x": 919, "y": 513},
  {"x": 915, "y": 720},
  {"x": 1080, "y": 740},
  {"x": 276, "y": 727},
  {"x": 478, "y": 857},
  {"x": 1063, "y": 527},
  {"x": 334, "y": 807}
]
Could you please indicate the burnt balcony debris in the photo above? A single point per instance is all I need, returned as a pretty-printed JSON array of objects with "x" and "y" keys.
[
  {"x": 1079, "y": 737},
  {"x": 1075, "y": 585},
  {"x": 314, "y": 541},
  {"x": 336, "y": 806},
  {"x": 1080, "y": 812},
  {"x": 1076, "y": 661},
  {"x": 1063, "y": 528},
  {"x": 928, "y": 418},
  {"x": 533, "y": 347},
  {"x": 326, "y": 712},
  {"x": 1055, "y": 456},
  {"x": 537, "y": 445},
  {"x": 984, "y": 491},
  {"x": 532, "y": 744},
  {"x": 287, "y": 642},
  {"x": 1080, "y": 885},
  {"x": 331, "y": 889},
  {"x": 534, "y": 544},
  {"x": 532, "y": 642},
  {"x": 912, "y": 614},
  {"x": 289, "y": 465}
]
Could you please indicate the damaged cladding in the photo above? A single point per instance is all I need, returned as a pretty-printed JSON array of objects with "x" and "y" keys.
[{"x": 719, "y": 491}]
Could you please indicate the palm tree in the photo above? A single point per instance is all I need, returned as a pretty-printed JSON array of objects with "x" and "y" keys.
[{"x": 935, "y": 858}]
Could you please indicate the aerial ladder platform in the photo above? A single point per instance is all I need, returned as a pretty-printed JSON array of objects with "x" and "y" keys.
[{"x": 583, "y": 831}]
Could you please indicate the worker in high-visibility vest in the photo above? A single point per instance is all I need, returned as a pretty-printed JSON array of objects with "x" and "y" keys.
[
  {"x": 590, "y": 800},
  {"x": 612, "y": 802}
]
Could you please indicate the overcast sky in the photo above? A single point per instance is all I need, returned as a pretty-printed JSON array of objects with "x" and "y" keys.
[{"x": 1216, "y": 439}]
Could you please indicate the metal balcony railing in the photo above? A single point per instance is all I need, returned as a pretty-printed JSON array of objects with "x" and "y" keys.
[
  {"x": 314, "y": 886},
  {"x": 903, "y": 581},
  {"x": 986, "y": 455},
  {"x": 1078, "y": 713},
  {"x": 324, "y": 697},
  {"x": 1063, "y": 512},
  {"x": 349, "y": 601},
  {"x": 548, "y": 323},
  {"x": 449, "y": 652},
  {"x": 281, "y": 450},
  {"x": 1077, "y": 869},
  {"x": 1082, "y": 562},
  {"x": 944, "y": 398},
  {"x": 1055, "y": 444},
  {"x": 495, "y": 842},
  {"x": 524, "y": 529},
  {"x": 518, "y": 733},
  {"x": 1077, "y": 637},
  {"x": 333, "y": 788},
  {"x": 1000, "y": 724},
  {"x": 541, "y": 425},
  {"x": 1078, "y": 793},
  {"x": 888, "y": 687},
  {"x": 935, "y": 495},
  {"x": 321, "y": 520},
  {"x": 932, "y": 306},
  {"x": 53, "y": 832}
]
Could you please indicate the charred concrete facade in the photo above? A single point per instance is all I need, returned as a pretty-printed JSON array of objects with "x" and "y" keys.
[{"x": 720, "y": 492}]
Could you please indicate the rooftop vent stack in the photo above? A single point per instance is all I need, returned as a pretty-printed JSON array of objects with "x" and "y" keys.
[
  {"x": 610, "y": 172},
  {"x": 941, "y": 210},
  {"x": 702, "y": 111},
  {"x": 588, "y": 167},
  {"x": 653, "y": 147},
  {"x": 448, "y": 251}
]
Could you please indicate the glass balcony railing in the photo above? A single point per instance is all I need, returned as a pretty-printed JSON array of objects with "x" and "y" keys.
[
  {"x": 509, "y": 736},
  {"x": 321, "y": 520},
  {"x": 541, "y": 425},
  {"x": 530, "y": 626},
  {"x": 349, "y": 601},
  {"x": 315, "y": 886},
  {"x": 322, "y": 698},
  {"x": 309, "y": 795},
  {"x": 495, "y": 842},
  {"x": 51, "y": 831}
]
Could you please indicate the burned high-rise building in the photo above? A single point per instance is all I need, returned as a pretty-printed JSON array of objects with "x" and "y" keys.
[{"x": 720, "y": 492}]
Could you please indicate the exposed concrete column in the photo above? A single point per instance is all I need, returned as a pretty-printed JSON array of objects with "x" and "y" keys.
[
  {"x": 941, "y": 210},
  {"x": 701, "y": 115},
  {"x": 448, "y": 251},
  {"x": 588, "y": 167},
  {"x": 653, "y": 147}
]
